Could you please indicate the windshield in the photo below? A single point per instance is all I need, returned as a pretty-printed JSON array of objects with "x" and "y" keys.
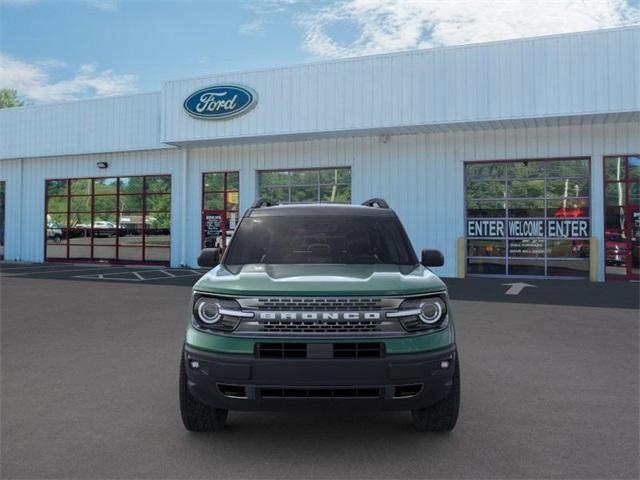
[{"x": 320, "y": 239}]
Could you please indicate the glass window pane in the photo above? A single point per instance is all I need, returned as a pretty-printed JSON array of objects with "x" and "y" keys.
[
  {"x": 486, "y": 248},
  {"x": 104, "y": 221},
  {"x": 485, "y": 208},
  {"x": 130, "y": 237},
  {"x": 57, "y": 204},
  {"x": 344, "y": 175},
  {"x": 488, "y": 189},
  {"x": 634, "y": 194},
  {"x": 80, "y": 220},
  {"x": 157, "y": 254},
  {"x": 615, "y": 168},
  {"x": 56, "y": 234},
  {"x": 526, "y": 248},
  {"x": 232, "y": 200},
  {"x": 568, "y": 168},
  {"x": 335, "y": 193},
  {"x": 158, "y": 220},
  {"x": 130, "y": 253},
  {"x": 570, "y": 208},
  {"x": 130, "y": 203},
  {"x": 615, "y": 193},
  {"x": 80, "y": 186},
  {"x": 526, "y": 208},
  {"x": 214, "y": 201},
  {"x": 56, "y": 187},
  {"x": 526, "y": 188},
  {"x": 56, "y": 250},
  {"x": 57, "y": 220},
  {"x": 130, "y": 185},
  {"x": 485, "y": 171},
  {"x": 233, "y": 181},
  {"x": 105, "y": 203},
  {"x": 304, "y": 194},
  {"x": 157, "y": 237},
  {"x": 615, "y": 219},
  {"x": 572, "y": 187},
  {"x": 518, "y": 266},
  {"x": 213, "y": 182},
  {"x": 80, "y": 252},
  {"x": 486, "y": 266},
  {"x": 634, "y": 168},
  {"x": 275, "y": 194},
  {"x": 157, "y": 203},
  {"x": 274, "y": 178},
  {"x": 568, "y": 248},
  {"x": 526, "y": 169},
  {"x": 102, "y": 236},
  {"x": 104, "y": 252},
  {"x": 80, "y": 236},
  {"x": 304, "y": 177},
  {"x": 161, "y": 184},
  {"x": 81, "y": 204},
  {"x": 568, "y": 268},
  {"x": 105, "y": 186}
]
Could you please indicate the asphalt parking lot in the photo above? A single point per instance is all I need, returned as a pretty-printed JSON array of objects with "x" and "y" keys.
[{"x": 89, "y": 388}]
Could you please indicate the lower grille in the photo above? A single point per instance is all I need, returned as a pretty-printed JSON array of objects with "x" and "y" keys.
[
  {"x": 317, "y": 392},
  {"x": 336, "y": 350}
]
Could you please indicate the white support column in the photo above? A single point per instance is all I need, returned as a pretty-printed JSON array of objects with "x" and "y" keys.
[
  {"x": 248, "y": 187},
  {"x": 184, "y": 194},
  {"x": 597, "y": 211}
]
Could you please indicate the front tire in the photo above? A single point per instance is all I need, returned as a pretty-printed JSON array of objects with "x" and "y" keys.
[
  {"x": 442, "y": 416},
  {"x": 198, "y": 416}
]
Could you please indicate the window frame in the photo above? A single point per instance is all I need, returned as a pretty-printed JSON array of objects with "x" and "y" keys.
[
  {"x": 318, "y": 185},
  {"x": 506, "y": 199},
  {"x": 91, "y": 230}
]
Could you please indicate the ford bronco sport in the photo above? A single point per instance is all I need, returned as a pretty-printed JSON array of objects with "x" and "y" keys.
[{"x": 319, "y": 306}]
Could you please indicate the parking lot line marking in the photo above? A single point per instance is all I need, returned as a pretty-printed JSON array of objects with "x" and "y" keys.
[
  {"x": 138, "y": 275},
  {"x": 32, "y": 272},
  {"x": 169, "y": 274}
]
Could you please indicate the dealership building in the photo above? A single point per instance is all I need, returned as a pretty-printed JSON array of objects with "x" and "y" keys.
[{"x": 515, "y": 158}]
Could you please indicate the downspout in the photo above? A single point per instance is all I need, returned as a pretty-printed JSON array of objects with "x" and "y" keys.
[{"x": 183, "y": 215}]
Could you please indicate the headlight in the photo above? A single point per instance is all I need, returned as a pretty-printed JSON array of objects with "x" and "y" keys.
[
  {"x": 208, "y": 310},
  {"x": 217, "y": 313},
  {"x": 432, "y": 310},
  {"x": 422, "y": 313}
]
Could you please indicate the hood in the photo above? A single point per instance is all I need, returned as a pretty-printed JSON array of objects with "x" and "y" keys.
[{"x": 307, "y": 280}]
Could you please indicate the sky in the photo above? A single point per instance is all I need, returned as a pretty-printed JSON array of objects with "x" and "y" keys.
[{"x": 61, "y": 50}]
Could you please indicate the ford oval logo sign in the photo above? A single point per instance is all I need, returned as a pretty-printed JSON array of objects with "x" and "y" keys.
[{"x": 220, "y": 101}]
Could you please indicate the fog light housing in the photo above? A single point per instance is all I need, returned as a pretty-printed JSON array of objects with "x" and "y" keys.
[
  {"x": 194, "y": 364},
  {"x": 444, "y": 364}
]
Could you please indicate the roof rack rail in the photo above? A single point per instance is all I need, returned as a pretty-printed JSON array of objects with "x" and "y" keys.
[
  {"x": 376, "y": 202},
  {"x": 262, "y": 202}
]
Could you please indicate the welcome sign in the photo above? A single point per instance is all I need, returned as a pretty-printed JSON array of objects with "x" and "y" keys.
[
  {"x": 220, "y": 102},
  {"x": 529, "y": 228}
]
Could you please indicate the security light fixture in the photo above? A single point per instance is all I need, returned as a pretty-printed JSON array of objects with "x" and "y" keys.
[{"x": 102, "y": 165}]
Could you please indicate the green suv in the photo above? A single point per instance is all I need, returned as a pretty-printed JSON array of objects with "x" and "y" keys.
[{"x": 319, "y": 306}]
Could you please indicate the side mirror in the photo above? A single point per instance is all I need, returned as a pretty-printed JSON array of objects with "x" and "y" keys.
[
  {"x": 432, "y": 258},
  {"x": 209, "y": 257}
]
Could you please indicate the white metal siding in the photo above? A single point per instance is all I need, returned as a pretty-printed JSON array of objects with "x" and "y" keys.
[
  {"x": 421, "y": 175},
  {"x": 114, "y": 124},
  {"x": 558, "y": 76}
]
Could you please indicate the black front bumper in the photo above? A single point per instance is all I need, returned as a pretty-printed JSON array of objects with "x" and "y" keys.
[{"x": 394, "y": 382}]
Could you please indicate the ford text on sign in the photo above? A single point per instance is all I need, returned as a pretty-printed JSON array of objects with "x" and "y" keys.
[
  {"x": 528, "y": 228},
  {"x": 220, "y": 102}
]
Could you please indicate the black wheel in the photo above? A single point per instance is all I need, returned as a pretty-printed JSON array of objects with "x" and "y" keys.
[
  {"x": 198, "y": 416},
  {"x": 442, "y": 416}
]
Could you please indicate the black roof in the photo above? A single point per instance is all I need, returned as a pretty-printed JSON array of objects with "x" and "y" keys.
[{"x": 320, "y": 209}]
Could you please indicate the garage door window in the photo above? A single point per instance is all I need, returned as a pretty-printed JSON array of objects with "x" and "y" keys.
[
  {"x": 328, "y": 185},
  {"x": 124, "y": 219},
  {"x": 528, "y": 218}
]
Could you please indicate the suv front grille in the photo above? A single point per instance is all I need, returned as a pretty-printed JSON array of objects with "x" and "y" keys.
[
  {"x": 336, "y": 350},
  {"x": 320, "y": 326},
  {"x": 319, "y": 392},
  {"x": 318, "y": 304}
]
